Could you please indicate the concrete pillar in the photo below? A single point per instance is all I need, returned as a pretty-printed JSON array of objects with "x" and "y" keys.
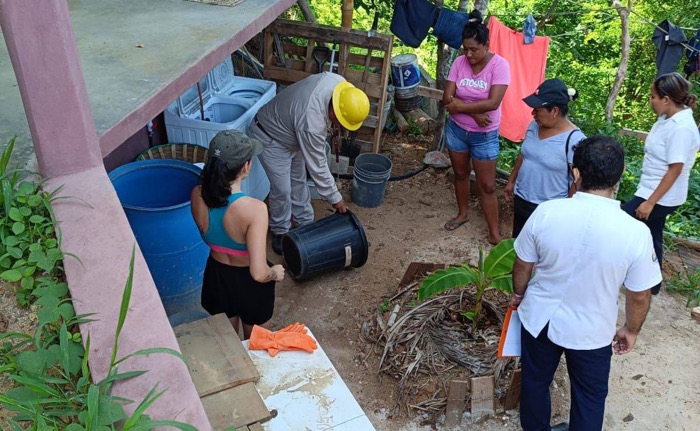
[{"x": 43, "y": 51}]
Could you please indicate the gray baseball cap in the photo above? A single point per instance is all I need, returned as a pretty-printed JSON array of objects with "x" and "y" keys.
[{"x": 234, "y": 147}]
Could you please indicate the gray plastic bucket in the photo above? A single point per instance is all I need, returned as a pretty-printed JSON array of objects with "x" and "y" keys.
[{"x": 370, "y": 176}]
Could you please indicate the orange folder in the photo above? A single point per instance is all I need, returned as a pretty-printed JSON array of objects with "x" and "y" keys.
[{"x": 509, "y": 344}]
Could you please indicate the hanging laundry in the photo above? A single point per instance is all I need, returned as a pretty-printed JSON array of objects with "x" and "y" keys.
[
  {"x": 528, "y": 63},
  {"x": 692, "y": 66},
  {"x": 668, "y": 40},
  {"x": 529, "y": 29},
  {"x": 449, "y": 27},
  {"x": 412, "y": 19}
]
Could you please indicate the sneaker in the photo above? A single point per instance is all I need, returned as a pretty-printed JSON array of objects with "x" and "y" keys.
[
  {"x": 564, "y": 426},
  {"x": 277, "y": 243}
]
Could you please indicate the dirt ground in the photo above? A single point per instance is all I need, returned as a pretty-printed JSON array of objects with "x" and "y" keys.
[{"x": 657, "y": 386}]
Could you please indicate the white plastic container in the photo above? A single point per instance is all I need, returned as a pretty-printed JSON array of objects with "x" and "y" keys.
[{"x": 229, "y": 102}]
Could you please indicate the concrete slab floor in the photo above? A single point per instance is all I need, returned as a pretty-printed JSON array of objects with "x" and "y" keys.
[{"x": 129, "y": 85}]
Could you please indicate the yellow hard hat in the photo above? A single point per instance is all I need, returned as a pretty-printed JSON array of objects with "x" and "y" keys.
[{"x": 350, "y": 104}]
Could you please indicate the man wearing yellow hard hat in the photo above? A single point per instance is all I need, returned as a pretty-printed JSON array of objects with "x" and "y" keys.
[{"x": 293, "y": 128}]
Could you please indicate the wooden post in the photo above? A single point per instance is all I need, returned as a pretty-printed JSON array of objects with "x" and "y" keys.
[
  {"x": 513, "y": 395},
  {"x": 456, "y": 402},
  {"x": 482, "y": 397},
  {"x": 346, "y": 9}
]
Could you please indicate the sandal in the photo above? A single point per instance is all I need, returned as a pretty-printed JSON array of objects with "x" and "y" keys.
[{"x": 453, "y": 224}]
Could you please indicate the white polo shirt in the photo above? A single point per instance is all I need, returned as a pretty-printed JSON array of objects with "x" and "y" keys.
[
  {"x": 584, "y": 249},
  {"x": 671, "y": 140}
]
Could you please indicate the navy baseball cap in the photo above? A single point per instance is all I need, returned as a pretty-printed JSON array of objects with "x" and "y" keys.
[{"x": 551, "y": 92}]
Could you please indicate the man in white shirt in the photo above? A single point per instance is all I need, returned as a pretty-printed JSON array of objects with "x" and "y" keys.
[
  {"x": 582, "y": 250},
  {"x": 293, "y": 128}
]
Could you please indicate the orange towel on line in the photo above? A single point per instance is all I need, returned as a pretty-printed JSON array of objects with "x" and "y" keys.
[{"x": 527, "y": 65}]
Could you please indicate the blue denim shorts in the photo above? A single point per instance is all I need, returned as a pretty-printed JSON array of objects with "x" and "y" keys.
[{"x": 482, "y": 146}]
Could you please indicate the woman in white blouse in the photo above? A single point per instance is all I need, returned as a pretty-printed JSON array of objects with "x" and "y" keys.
[{"x": 669, "y": 155}]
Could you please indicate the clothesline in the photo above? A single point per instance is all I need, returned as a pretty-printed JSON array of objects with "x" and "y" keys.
[{"x": 646, "y": 21}]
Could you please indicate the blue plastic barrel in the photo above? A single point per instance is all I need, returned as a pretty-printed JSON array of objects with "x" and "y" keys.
[
  {"x": 329, "y": 244},
  {"x": 155, "y": 195},
  {"x": 370, "y": 175}
]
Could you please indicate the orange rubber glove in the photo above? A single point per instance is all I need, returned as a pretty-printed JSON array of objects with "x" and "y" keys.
[
  {"x": 263, "y": 339},
  {"x": 294, "y": 327}
]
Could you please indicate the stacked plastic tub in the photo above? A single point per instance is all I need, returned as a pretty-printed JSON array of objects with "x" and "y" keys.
[
  {"x": 371, "y": 173},
  {"x": 229, "y": 102}
]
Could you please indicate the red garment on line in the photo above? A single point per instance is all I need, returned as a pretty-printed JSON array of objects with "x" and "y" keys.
[{"x": 527, "y": 65}]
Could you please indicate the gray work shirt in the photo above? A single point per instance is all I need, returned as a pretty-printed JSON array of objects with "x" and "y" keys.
[
  {"x": 297, "y": 118},
  {"x": 543, "y": 174}
]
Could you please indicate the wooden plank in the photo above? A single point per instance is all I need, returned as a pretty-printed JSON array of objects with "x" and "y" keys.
[
  {"x": 513, "y": 395},
  {"x": 371, "y": 121},
  {"x": 235, "y": 407},
  {"x": 482, "y": 397},
  {"x": 215, "y": 355},
  {"x": 384, "y": 79},
  {"x": 365, "y": 72},
  {"x": 358, "y": 59},
  {"x": 310, "y": 61},
  {"x": 286, "y": 75},
  {"x": 268, "y": 40},
  {"x": 417, "y": 270},
  {"x": 357, "y": 76},
  {"x": 456, "y": 402},
  {"x": 343, "y": 53},
  {"x": 432, "y": 93},
  {"x": 432, "y": 108},
  {"x": 295, "y": 49},
  {"x": 321, "y": 32},
  {"x": 365, "y": 146}
]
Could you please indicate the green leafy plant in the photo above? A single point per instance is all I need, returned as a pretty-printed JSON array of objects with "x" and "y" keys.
[
  {"x": 28, "y": 242},
  {"x": 495, "y": 271},
  {"x": 50, "y": 370},
  {"x": 54, "y": 382},
  {"x": 413, "y": 128},
  {"x": 687, "y": 285},
  {"x": 385, "y": 306}
]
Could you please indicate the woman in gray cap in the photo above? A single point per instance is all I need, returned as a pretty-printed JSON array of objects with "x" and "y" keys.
[
  {"x": 541, "y": 171},
  {"x": 238, "y": 280}
]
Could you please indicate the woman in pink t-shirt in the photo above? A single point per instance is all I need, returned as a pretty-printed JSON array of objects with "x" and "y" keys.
[{"x": 474, "y": 90}]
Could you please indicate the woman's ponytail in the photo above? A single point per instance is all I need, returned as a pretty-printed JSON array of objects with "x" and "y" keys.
[{"x": 216, "y": 182}]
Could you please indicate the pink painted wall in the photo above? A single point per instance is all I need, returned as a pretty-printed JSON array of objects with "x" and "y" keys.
[{"x": 41, "y": 44}]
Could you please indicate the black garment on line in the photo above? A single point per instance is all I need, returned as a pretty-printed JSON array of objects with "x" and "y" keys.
[
  {"x": 412, "y": 19},
  {"x": 669, "y": 49}
]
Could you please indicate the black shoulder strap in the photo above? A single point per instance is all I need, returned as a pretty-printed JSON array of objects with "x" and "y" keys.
[{"x": 566, "y": 160}]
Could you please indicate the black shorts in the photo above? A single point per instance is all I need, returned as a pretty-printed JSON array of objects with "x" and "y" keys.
[{"x": 232, "y": 290}]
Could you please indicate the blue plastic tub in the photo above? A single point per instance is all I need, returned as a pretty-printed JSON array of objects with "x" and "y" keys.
[{"x": 155, "y": 195}]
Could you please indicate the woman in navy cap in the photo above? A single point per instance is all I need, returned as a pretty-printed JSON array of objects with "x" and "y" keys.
[{"x": 541, "y": 171}]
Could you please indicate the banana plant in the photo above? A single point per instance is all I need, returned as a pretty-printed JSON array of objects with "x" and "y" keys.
[{"x": 495, "y": 271}]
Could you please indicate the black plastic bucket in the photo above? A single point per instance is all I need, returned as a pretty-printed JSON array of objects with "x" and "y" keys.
[{"x": 330, "y": 244}]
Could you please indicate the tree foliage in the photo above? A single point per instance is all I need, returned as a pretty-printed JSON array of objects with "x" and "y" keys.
[{"x": 584, "y": 52}]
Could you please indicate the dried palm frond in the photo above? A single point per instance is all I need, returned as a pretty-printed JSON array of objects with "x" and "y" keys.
[{"x": 425, "y": 346}]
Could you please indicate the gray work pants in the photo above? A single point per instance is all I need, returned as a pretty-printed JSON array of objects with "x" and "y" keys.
[{"x": 289, "y": 195}]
